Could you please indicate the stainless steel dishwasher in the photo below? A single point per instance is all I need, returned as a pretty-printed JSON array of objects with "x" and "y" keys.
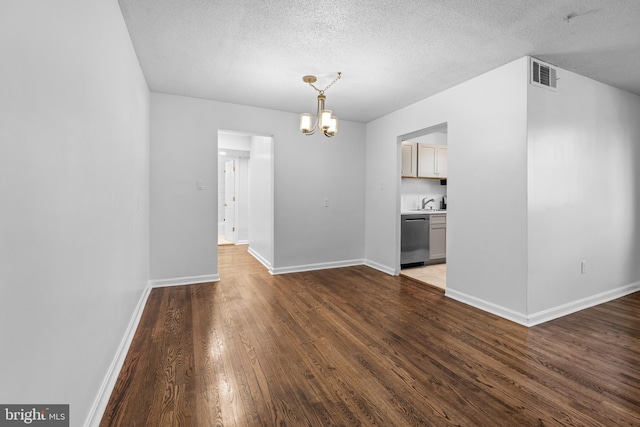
[{"x": 414, "y": 238}]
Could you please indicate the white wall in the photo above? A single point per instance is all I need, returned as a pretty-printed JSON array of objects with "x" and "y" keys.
[
  {"x": 584, "y": 191},
  {"x": 538, "y": 181},
  {"x": 261, "y": 200},
  {"x": 234, "y": 141},
  {"x": 183, "y": 233},
  {"x": 307, "y": 170},
  {"x": 438, "y": 138},
  {"x": 74, "y": 185},
  {"x": 242, "y": 192},
  {"x": 486, "y": 186}
]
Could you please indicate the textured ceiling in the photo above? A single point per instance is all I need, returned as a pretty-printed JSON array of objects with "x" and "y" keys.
[{"x": 391, "y": 53}]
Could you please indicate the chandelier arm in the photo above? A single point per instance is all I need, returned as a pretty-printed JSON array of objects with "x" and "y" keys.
[
  {"x": 317, "y": 118},
  {"x": 314, "y": 86},
  {"x": 314, "y": 128},
  {"x": 316, "y": 125}
]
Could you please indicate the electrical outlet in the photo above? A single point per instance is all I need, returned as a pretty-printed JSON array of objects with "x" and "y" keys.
[{"x": 583, "y": 267}]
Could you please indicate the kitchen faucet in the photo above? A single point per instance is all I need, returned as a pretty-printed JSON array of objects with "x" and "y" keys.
[{"x": 425, "y": 201}]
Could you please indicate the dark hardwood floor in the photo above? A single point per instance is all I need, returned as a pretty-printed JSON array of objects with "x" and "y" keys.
[{"x": 353, "y": 346}]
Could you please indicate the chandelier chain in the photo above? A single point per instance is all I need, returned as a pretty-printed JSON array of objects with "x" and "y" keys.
[{"x": 322, "y": 91}]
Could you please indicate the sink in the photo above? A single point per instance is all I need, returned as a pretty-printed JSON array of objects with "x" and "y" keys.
[{"x": 428, "y": 210}]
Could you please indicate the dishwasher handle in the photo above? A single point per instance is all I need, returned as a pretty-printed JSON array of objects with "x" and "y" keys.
[{"x": 415, "y": 219}]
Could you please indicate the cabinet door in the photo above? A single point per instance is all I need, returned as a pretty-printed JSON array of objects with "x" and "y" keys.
[
  {"x": 409, "y": 159},
  {"x": 432, "y": 161},
  {"x": 441, "y": 162},
  {"x": 437, "y": 237},
  {"x": 427, "y": 161}
]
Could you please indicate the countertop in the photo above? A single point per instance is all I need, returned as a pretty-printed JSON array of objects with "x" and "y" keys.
[{"x": 423, "y": 211}]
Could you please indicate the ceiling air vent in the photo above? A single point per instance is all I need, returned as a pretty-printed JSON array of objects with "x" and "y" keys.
[{"x": 543, "y": 75}]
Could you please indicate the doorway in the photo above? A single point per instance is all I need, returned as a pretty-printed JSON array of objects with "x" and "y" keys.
[
  {"x": 421, "y": 192},
  {"x": 245, "y": 192},
  {"x": 233, "y": 165}
]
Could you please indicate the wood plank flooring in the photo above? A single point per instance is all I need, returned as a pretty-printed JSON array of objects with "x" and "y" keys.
[{"x": 356, "y": 347}]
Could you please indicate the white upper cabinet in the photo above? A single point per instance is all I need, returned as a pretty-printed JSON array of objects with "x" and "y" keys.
[
  {"x": 409, "y": 159},
  {"x": 441, "y": 161},
  {"x": 432, "y": 161}
]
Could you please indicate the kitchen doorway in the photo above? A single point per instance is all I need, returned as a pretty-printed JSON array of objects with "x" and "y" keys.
[{"x": 423, "y": 178}]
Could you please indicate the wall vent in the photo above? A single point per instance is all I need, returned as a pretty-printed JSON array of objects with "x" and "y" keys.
[{"x": 543, "y": 74}]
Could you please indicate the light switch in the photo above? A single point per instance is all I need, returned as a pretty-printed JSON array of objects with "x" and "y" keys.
[
  {"x": 326, "y": 202},
  {"x": 199, "y": 185}
]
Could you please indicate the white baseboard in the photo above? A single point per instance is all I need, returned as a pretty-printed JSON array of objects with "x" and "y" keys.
[
  {"x": 242, "y": 242},
  {"x": 581, "y": 304},
  {"x": 545, "y": 315},
  {"x": 380, "y": 267},
  {"x": 104, "y": 392},
  {"x": 483, "y": 305},
  {"x": 189, "y": 280},
  {"x": 316, "y": 266},
  {"x": 260, "y": 258}
]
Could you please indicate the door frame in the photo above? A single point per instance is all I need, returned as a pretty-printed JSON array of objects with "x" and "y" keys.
[
  {"x": 442, "y": 128},
  {"x": 266, "y": 247}
]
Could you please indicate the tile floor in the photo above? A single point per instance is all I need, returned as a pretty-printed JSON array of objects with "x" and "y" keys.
[
  {"x": 434, "y": 275},
  {"x": 223, "y": 241}
]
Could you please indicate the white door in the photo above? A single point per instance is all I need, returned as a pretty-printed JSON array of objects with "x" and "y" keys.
[{"x": 230, "y": 200}]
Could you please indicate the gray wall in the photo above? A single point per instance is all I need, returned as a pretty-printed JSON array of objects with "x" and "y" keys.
[
  {"x": 486, "y": 186},
  {"x": 74, "y": 183},
  {"x": 184, "y": 134},
  {"x": 261, "y": 214},
  {"x": 538, "y": 182},
  {"x": 584, "y": 192}
]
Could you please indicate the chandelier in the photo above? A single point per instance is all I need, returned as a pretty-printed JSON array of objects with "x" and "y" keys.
[{"x": 324, "y": 120}]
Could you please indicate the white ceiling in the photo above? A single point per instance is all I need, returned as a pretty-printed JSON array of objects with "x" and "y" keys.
[{"x": 392, "y": 53}]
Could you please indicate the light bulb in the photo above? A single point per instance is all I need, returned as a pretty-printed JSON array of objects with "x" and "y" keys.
[
  {"x": 305, "y": 122},
  {"x": 325, "y": 119}
]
